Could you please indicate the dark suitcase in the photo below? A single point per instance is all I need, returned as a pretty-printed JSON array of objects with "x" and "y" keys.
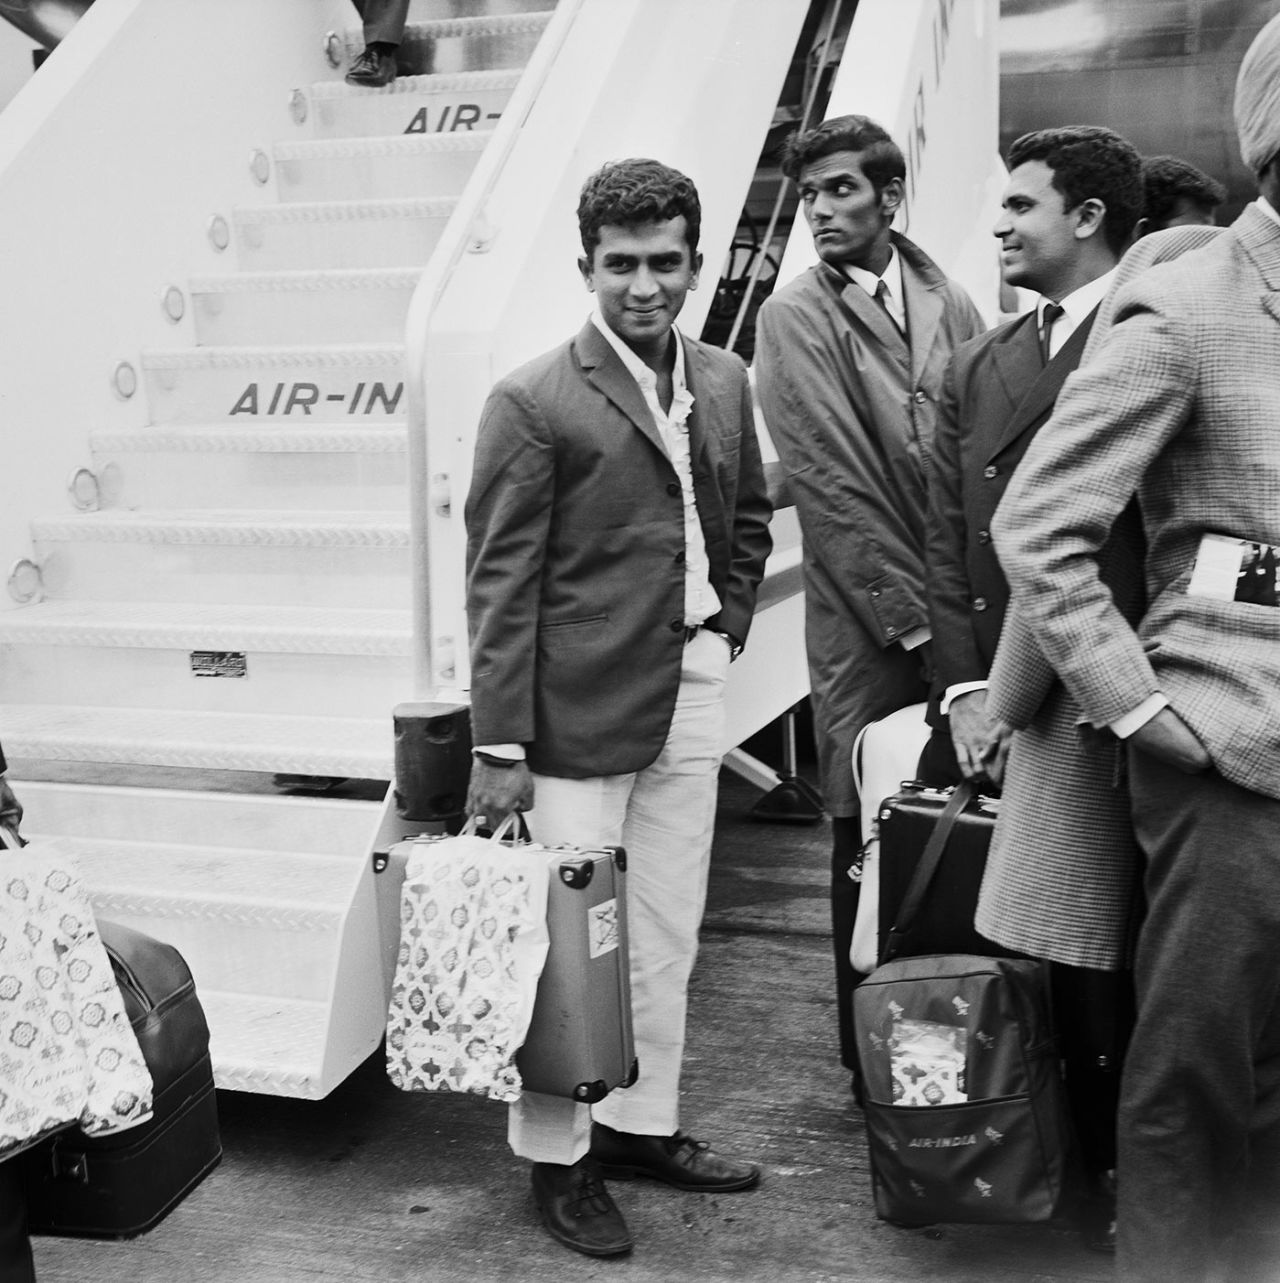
[
  {"x": 951, "y": 831},
  {"x": 120, "y": 1185},
  {"x": 580, "y": 1041}
]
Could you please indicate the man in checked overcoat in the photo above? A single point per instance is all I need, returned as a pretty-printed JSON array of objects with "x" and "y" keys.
[{"x": 1182, "y": 405}]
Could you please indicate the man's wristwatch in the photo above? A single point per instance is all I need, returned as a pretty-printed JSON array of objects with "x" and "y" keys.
[
  {"x": 492, "y": 759},
  {"x": 735, "y": 646}
]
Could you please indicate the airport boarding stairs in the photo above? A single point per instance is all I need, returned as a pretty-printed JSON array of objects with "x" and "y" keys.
[{"x": 257, "y": 532}]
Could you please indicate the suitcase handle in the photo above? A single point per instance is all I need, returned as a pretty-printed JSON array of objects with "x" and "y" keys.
[{"x": 960, "y": 797}]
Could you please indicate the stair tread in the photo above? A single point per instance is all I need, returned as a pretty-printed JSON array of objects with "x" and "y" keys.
[
  {"x": 220, "y": 874},
  {"x": 266, "y": 1043},
  {"x": 186, "y": 626},
  {"x": 354, "y": 747},
  {"x": 426, "y": 83},
  {"x": 484, "y": 24},
  {"x": 378, "y": 145},
  {"x": 267, "y": 355},
  {"x": 320, "y": 211},
  {"x": 272, "y": 439},
  {"x": 299, "y": 280},
  {"x": 227, "y": 526}
]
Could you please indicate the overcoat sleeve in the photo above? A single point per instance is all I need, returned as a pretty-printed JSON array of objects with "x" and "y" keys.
[
  {"x": 955, "y": 651},
  {"x": 508, "y": 515}
]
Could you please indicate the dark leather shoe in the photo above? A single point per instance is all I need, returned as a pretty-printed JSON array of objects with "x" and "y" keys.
[
  {"x": 373, "y": 68},
  {"x": 677, "y": 1160},
  {"x": 577, "y": 1209}
]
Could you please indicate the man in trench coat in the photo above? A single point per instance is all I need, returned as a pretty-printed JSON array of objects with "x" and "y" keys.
[{"x": 849, "y": 362}]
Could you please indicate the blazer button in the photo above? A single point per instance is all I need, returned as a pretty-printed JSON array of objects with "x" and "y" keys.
[
  {"x": 979, "y": 603},
  {"x": 984, "y": 536},
  {"x": 921, "y": 398},
  {"x": 677, "y": 625},
  {"x": 990, "y": 471},
  {"x": 673, "y": 488}
]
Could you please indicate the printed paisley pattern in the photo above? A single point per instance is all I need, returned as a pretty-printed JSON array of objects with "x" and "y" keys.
[{"x": 67, "y": 1051}]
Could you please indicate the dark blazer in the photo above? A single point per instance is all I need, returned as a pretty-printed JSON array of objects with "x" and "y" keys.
[
  {"x": 575, "y": 552},
  {"x": 996, "y": 396}
]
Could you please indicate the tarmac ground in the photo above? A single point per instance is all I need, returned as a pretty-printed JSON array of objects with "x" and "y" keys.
[{"x": 373, "y": 1185}]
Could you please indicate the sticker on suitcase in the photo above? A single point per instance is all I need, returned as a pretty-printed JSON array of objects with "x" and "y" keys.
[{"x": 602, "y": 923}]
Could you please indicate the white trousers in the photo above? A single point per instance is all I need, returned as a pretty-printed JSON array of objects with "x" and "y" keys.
[{"x": 664, "y": 817}]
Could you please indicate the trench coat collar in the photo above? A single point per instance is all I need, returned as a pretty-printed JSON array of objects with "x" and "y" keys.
[{"x": 1021, "y": 357}]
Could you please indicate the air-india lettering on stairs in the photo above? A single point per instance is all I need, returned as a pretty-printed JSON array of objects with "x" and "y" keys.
[
  {"x": 286, "y": 398},
  {"x": 465, "y": 115}
]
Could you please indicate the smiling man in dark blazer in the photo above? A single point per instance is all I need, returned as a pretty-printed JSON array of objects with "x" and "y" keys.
[
  {"x": 617, "y": 531},
  {"x": 1072, "y": 202}
]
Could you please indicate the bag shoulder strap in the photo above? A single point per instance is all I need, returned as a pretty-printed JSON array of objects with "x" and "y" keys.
[{"x": 960, "y": 797}]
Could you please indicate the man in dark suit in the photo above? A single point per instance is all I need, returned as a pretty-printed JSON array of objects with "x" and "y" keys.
[
  {"x": 1181, "y": 404},
  {"x": 1072, "y": 203},
  {"x": 617, "y": 531}
]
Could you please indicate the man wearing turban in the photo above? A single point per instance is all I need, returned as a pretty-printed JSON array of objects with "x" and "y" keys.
[{"x": 1182, "y": 405}]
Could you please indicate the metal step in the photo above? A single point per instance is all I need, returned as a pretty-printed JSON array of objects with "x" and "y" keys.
[
  {"x": 220, "y": 659},
  {"x": 466, "y": 43},
  {"x": 345, "y": 747},
  {"x": 344, "y": 559},
  {"x": 416, "y": 165},
  {"x": 290, "y": 466},
  {"x": 340, "y": 233},
  {"x": 409, "y": 105},
  {"x": 354, "y": 382},
  {"x": 315, "y": 306}
]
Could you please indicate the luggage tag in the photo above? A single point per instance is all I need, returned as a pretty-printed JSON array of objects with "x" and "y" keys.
[{"x": 1228, "y": 569}]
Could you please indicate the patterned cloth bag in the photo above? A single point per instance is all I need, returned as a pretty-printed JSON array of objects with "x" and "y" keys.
[
  {"x": 473, "y": 941},
  {"x": 67, "y": 1051}
]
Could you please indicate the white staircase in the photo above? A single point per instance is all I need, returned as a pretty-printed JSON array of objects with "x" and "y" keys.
[{"x": 240, "y": 600}]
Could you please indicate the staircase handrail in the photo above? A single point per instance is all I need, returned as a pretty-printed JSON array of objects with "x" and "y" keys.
[{"x": 459, "y": 236}]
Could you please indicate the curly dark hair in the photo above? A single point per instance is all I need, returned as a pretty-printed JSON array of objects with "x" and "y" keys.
[
  {"x": 626, "y": 192},
  {"x": 882, "y": 158},
  {"x": 1090, "y": 163},
  {"x": 1166, "y": 179}
]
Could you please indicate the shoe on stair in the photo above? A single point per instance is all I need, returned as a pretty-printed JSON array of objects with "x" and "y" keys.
[{"x": 374, "y": 68}]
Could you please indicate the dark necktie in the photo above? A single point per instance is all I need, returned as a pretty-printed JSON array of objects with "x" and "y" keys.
[
  {"x": 1051, "y": 313},
  {"x": 881, "y": 295}
]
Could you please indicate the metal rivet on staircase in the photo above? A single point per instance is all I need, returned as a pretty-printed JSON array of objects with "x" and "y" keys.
[
  {"x": 124, "y": 379},
  {"x": 26, "y": 584},
  {"x": 333, "y": 48},
  {"x": 82, "y": 486},
  {"x": 260, "y": 166},
  {"x": 298, "y": 107},
  {"x": 174, "y": 303},
  {"x": 219, "y": 233},
  {"x": 441, "y": 495},
  {"x": 446, "y": 669}
]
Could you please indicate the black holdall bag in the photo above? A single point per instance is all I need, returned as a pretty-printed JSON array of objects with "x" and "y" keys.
[
  {"x": 961, "y": 1082},
  {"x": 119, "y": 1185}
]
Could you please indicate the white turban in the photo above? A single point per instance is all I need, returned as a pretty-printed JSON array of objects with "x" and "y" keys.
[{"x": 1258, "y": 98}]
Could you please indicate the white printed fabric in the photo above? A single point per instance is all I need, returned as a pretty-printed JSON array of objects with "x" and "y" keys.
[
  {"x": 67, "y": 1051},
  {"x": 472, "y": 945}
]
